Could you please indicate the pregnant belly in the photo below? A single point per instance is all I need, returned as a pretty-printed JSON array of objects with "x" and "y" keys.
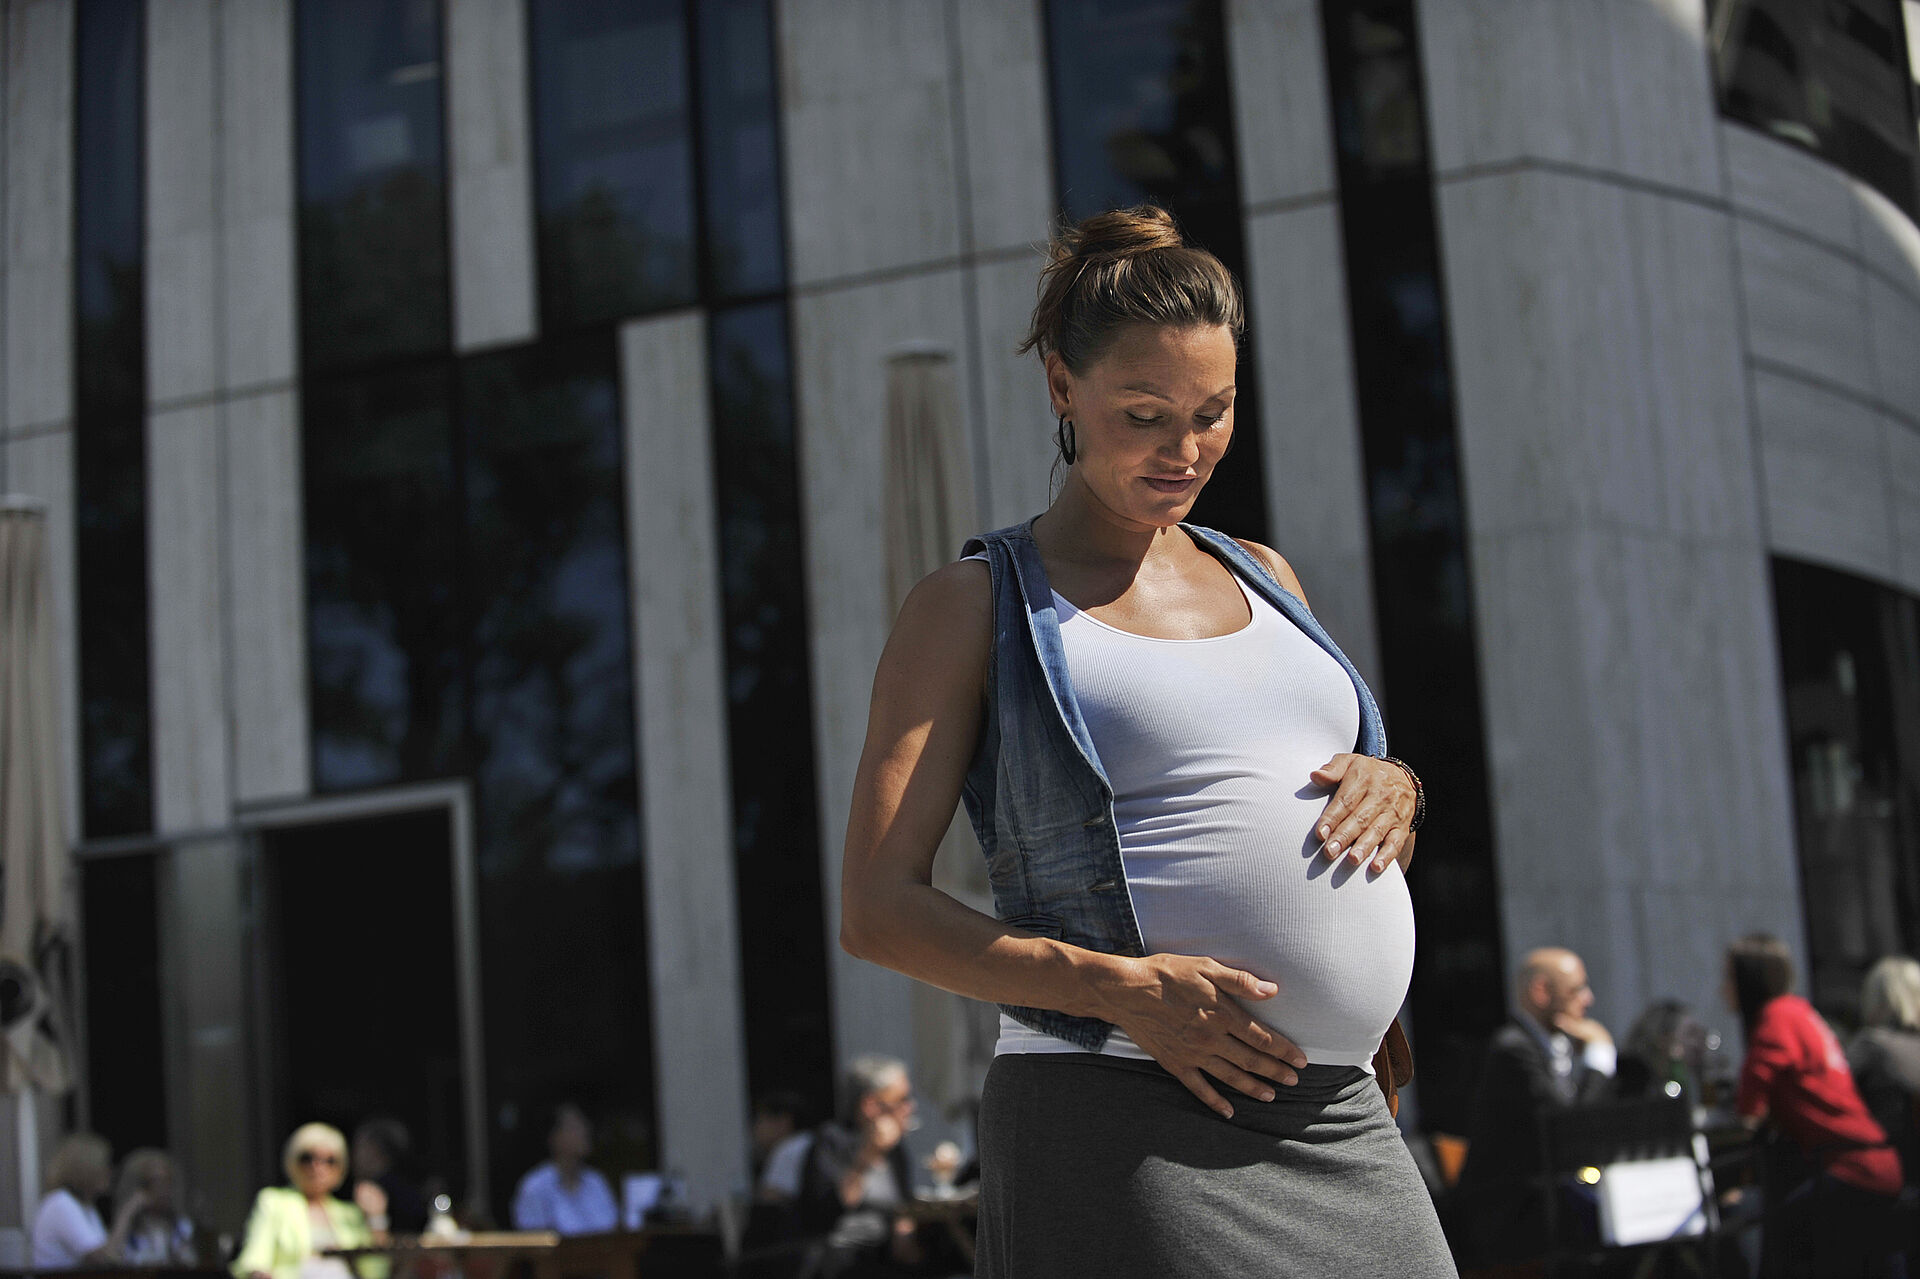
[{"x": 1338, "y": 942}]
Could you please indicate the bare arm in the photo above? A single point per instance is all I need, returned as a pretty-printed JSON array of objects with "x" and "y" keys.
[{"x": 921, "y": 733}]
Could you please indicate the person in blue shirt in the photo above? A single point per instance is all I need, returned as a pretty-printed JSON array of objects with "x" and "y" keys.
[{"x": 563, "y": 1194}]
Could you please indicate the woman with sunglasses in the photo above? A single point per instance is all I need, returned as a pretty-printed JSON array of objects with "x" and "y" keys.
[{"x": 290, "y": 1228}]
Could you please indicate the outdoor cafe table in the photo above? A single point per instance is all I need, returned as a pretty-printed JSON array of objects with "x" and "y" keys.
[
  {"x": 956, "y": 1212},
  {"x": 615, "y": 1254}
]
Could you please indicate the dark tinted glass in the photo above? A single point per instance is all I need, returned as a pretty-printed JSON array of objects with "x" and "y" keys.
[
  {"x": 373, "y": 224},
  {"x": 770, "y": 717},
  {"x": 1835, "y": 78},
  {"x": 1423, "y": 597},
  {"x": 613, "y": 129},
  {"x": 126, "y": 1053},
  {"x": 384, "y": 611},
  {"x": 562, "y": 890},
  {"x": 110, "y": 436},
  {"x": 1850, "y": 657},
  {"x": 1143, "y": 112},
  {"x": 740, "y": 149},
  {"x": 393, "y": 877}
]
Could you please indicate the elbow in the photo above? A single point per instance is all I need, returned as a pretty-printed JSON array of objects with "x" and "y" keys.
[
  {"x": 856, "y": 932},
  {"x": 862, "y": 933}
]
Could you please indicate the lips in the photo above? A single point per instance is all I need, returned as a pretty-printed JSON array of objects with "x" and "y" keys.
[{"x": 1173, "y": 484}]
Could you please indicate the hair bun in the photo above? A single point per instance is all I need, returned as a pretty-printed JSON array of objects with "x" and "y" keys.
[{"x": 1120, "y": 233}]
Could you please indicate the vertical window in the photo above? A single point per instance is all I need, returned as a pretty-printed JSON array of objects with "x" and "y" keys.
[
  {"x": 557, "y": 808},
  {"x": 110, "y": 428},
  {"x": 769, "y": 705},
  {"x": 1834, "y": 78},
  {"x": 1143, "y": 111},
  {"x": 1850, "y": 658},
  {"x": 373, "y": 218},
  {"x": 386, "y": 636},
  {"x": 613, "y": 134},
  {"x": 1417, "y": 520},
  {"x": 656, "y": 129},
  {"x": 740, "y": 150}
]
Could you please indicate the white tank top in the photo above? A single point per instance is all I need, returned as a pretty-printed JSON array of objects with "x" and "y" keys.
[{"x": 1208, "y": 744}]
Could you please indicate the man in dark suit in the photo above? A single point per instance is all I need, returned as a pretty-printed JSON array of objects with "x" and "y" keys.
[{"x": 1550, "y": 1056}]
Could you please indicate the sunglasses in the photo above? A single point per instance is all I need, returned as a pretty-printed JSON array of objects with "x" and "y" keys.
[{"x": 320, "y": 1157}]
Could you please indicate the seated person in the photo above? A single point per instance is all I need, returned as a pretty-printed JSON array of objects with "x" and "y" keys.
[
  {"x": 67, "y": 1230},
  {"x": 289, "y": 1228},
  {"x": 857, "y": 1176},
  {"x": 781, "y": 1141},
  {"x": 379, "y": 1150},
  {"x": 1885, "y": 1055},
  {"x": 1550, "y": 1057},
  {"x": 563, "y": 1194},
  {"x": 160, "y": 1235}
]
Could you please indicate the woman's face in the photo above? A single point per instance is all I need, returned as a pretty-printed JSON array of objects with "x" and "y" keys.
[
  {"x": 317, "y": 1170},
  {"x": 1151, "y": 417}
]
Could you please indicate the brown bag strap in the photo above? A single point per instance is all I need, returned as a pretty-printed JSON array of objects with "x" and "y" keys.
[{"x": 1393, "y": 1066}]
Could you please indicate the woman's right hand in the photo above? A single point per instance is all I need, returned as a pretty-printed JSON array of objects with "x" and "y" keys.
[{"x": 1185, "y": 1012}]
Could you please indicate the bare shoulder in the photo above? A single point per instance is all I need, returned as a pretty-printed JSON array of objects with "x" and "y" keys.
[
  {"x": 944, "y": 627},
  {"x": 1281, "y": 570},
  {"x": 954, "y": 594}
]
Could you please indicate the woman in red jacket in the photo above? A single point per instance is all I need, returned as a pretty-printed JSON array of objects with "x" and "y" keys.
[{"x": 1831, "y": 1177}]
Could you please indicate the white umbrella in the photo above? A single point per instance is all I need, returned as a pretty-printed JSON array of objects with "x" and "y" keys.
[
  {"x": 928, "y": 510},
  {"x": 33, "y": 849}
]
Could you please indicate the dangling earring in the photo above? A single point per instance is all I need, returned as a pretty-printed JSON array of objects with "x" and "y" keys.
[{"x": 1063, "y": 438}]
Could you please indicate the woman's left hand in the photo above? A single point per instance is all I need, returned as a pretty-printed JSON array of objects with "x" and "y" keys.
[{"x": 1369, "y": 812}]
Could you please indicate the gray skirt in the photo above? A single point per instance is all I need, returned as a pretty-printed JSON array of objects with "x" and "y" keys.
[{"x": 1104, "y": 1166}]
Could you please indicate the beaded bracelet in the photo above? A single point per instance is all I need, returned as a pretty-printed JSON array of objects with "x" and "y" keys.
[{"x": 1419, "y": 791}]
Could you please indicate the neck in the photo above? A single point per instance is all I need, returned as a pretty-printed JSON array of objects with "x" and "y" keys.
[
  {"x": 317, "y": 1198},
  {"x": 1079, "y": 526}
]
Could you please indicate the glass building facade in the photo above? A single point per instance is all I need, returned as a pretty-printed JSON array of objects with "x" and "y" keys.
[
  {"x": 1835, "y": 78},
  {"x": 110, "y": 404},
  {"x": 1850, "y": 662}
]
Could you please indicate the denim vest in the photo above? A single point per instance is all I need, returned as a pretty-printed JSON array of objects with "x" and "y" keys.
[{"x": 1038, "y": 797}]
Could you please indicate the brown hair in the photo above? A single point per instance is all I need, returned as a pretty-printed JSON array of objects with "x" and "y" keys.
[
  {"x": 1127, "y": 266},
  {"x": 1761, "y": 969}
]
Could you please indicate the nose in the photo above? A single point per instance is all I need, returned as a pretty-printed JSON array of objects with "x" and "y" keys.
[{"x": 1184, "y": 446}]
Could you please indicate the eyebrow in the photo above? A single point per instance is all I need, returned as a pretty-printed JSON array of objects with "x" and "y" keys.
[{"x": 1146, "y": 389}]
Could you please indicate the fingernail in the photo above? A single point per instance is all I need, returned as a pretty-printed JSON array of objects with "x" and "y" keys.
[
  {"x": 1267, "y": 988},
  {"x": 1325, "y": 831},
  {"x": 1267, "y": 1095},
  {"x": 1333, "y": 847},
  {"x": 1226, "y": 1112}
]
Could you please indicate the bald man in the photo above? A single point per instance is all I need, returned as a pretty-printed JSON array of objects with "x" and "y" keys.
[{"x": 1551, "y": 1055}]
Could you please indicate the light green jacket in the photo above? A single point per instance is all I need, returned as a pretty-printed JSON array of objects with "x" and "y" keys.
[{"x": 280, "y": 1236}]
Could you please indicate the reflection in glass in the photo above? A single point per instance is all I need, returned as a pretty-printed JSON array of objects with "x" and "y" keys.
[
  {"x": 614, "y": 143},
  {"x": 373, "y": 226},
  {"x": 557, "y": 808},
  {"x": 1423, "y": 598},
  {"x": 385, "y": 640},
  {"x": 110, "y": 406},
  {"x": 1850, "y": 657},
  {"x": 740, "y": 149},
  {"x": 1143, "y": 111},
  {"x": 1834, "y": 78},
  {"x": 770, "y": 717}
]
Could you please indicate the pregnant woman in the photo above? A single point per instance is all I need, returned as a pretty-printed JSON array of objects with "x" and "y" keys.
[{"x": 1195, "y": 841}]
